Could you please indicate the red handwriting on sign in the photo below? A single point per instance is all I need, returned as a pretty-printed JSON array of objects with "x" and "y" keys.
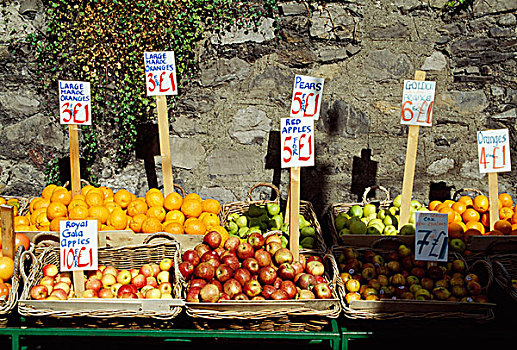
[
  {"x": 81, "y": 258},
  {"x": 154, "y": 83},
  {"x": 304, "y": 104},
  {"x": 294, "y": 147},
  {"x": 424, "y": 112},
  {"x": 483, "y": 158},
  {"x": 73, "y": 112}
]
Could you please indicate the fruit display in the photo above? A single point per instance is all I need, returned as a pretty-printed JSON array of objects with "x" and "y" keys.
[
  {"x": 14, "y": 202},
  {"x": 122, "y": 210},
  {"x": 369, "y": 274},
  {"x": 6, "y": 274},
  {"x": 149, "y": 281},
  {"x": 268, "y": 217},
  {"x": 370, "y": 219},
  {"x": 259, "y": 268}
]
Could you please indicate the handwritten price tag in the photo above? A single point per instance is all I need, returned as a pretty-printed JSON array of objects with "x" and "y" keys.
[
  {"x": 494, "y": 151},
  {"x": 160, "y": 73},
  {"x": 74, "y": 102},
  {"x": 417, "y": 102},
  {"x": 306, "y": 100},
  {"x": 297, "y": 140},
  {"x": 78, "y": 245},
  {"x": 431, "y": 236}
]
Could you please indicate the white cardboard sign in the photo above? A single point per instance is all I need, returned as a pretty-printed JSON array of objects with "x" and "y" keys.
[
  {"x": 74, "y": 102},
  {"x": 494, "y": 151},
  {"x": 307, "y": 95},
  {"x": 417, "y": 102},
  {"x": 160, "y": 73},
  {"x": 78, "y": 245},
  {"x": 431, "y": 236},
  {"x": 297, "y": 142}
]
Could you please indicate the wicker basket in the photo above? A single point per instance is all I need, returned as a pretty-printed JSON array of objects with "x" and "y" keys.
[
  {"x": 306, "y": 210},
  {"x": 288, "y": 315},
  {"x": 7, "y": 306},
  {"x": 388, "y": 309},
  {"x": 125, "y": 257},
  {"x": 505, "y": 270}
]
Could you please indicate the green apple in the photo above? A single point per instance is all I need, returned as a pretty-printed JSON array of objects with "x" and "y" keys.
[
  {"x": 356, "y": 210},
  {"x": 232, "y": 227},
  {"x": 284, "y": 241},
  {"x": 273, "y": 208},
  {"x": 457, "y": 245},
  {"x": 407, "y": 230},
  {"x": 389, "y": 220},
  {"x": 308, "y": 231},
  {"x": 369, "y": 209},
  {"x": 393, "y": 210},
  {"x": 358, "y": 228},
  {"x": 415, "y": 204},
  {"x": 344, "y": 231},
  {"x": 341, "y": 222},
  {"x": 243, "y": 232},
  {"x": 371, "y": 216},
  {"x": 390, "y": 230},
  {"x": 373, "y": 230},
  {"x": 397, "y": 201},
  {"x": 303, "y": 222},
  {"x": 307, "y": 242},
  {"x": 365, "y": 220},
  {"x": 233, "y": 216},
  {"x": 376, "y": 222}
]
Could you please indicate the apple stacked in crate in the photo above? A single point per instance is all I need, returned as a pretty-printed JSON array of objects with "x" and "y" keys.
[
  {"x": 150, "y": 281},
  {"x": 258, "y": 268}
]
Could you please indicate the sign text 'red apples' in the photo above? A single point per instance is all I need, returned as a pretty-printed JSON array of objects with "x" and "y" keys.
[
  {"x": 74, "y": 102},
  {"x": 78, "y": 245},
  {"x": 494, "y": 151},
  {"x": 160, "y": 73},
  {"x": 307, "y": 94},
  {"x": 417, "y": 102},
  {"x": 297, "y": 142}
]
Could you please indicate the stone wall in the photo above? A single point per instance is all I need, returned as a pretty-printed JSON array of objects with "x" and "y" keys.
[{"x": 226, "y": 137}]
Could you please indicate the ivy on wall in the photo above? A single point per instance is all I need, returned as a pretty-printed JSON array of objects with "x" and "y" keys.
[{"x": 103, "y": 41}]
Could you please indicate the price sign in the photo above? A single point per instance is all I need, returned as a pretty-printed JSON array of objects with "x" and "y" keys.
[
  {"x": 417, "y": 102},
  {"x": 78, "y": 245},
  {"x": 297, "y": 140},
  {"x": 74, "y": 102},
  {"x": 494, "y": 151},
  {"x": 160, "y": 73},
  {"x": 431, "y": 236},
  {"x": 306, "y": 100}
]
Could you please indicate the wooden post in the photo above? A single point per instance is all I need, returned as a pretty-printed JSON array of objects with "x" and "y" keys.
[
  {"x": 165, "y": 149},
  {"x": 493, "y": 197},
  {"x": 8, "y": 235},
  {"x": 75, "y": 170},
  {"x": 294, "y": 213},
  {"x": 409, "y": 170}
]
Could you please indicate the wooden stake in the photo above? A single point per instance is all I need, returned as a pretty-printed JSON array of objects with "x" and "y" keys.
[
  {"x": 288, "y": 205},
  {"x": 8, "y": 235},
  {"x": 493, "y": 197},
  {"x": 165, "y": 148},
  {"x": 75, "y": 171},
  {"x": 294, "y": 214},
  {"x": 409, "y": 170}
]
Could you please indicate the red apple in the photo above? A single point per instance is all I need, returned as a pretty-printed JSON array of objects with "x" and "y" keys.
[
  {"x": 244, "y": 251},
  {"x": 129, "y": 295},
  {"x": 50, "y": 270},
  {"x": 193, "y": 295},
  {"x": 256, "y": 240},
  {"x": 89, "y": 293},
  {"x": 306, "y": 281},
  {"x": 279, "y": 295},
  {"x": 315, "y": 268},
  {"x": 241, "y": 297},
  {"x": 48, "y": 282},
  {"x": 231, "y": 260},
  {"x": 163, "y": 276},
  {"x": 267, "y": 290},
  {"x": 323, "y": 291},
  {"x": 305, "y": 294},
  {"x": 60, "y": 294},
  {"x": 147, "y": 270},
  {"x": 251, "y": 264},
  {"x": 134, "y": 272},
  {"x": 263, "y": 257},
  {"x": 213, "y": 239},
  {"x": 126, "y": 288},
  {"x": 286, "y": 271},
  {"x": 156, "y": 269},
  {"x": 223, "y": 273},
  {"x": 139, "y": 281},
  {"x": 242, "y": 275},
  {"x": 151, "y": 281},
  {"x": 232, "y": 243},
  {"x": 283, "y": 255},
  {"x": 191, "y": 256},
  {"x": 165, "y": 287},
  {"x": 205, "y": 271},
  {"x": 110, "y": 270},
  {"x": 201, "y": 249},
  {"x": 273, "y": 247},
  {"x": 62, "y": 285},
  {"x": 197, "y": 283},
  {"x": 186, "y": 269},
  {"x": 232, "y": 287},
  {"x": 153, "y": 293},
  {"x": 289, "y": 287},
  {"x": 166, "y": 264},
  {"x": 352, "y": 285},
  {"x": 209, "y": 293},
  {"x": 267, "y": 275},
  {"x": 39, "y": 292}
]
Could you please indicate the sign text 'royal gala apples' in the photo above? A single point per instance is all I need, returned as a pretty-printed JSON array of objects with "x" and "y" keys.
[
  {"x": 297, "y": 140},
  {"x": 160, "y": 73},
  {"x": 431, "y": 236},
  {"x": 306, "y": 100},
  {"x": 78, "y": 245},
  {"x": 494, "y": 151},
  {"x": 74, "y": 102},
  {"x": 417, "y": 102}
]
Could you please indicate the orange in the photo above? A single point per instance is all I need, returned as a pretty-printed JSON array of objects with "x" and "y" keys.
[
  {"x": 117, "y": 219},
  {"x": 485, "y": 219},
  {"x": 42, "y": 222},
  {"x": 106, "y": 192},
  {"x": 211, "y": 206},
  {"x": 504, "y": 226},
  {"x": 470, "y": 215},
  {"x": 481, "y": 203},
  {"x": 191, "y": 208},
  {"x": 506, "y": 213},
  {"x": 467, "y": 200},
  {"x": 432, "y": 206},
  {"x": 122, "y": 197},
  {"x": 175, "y": 216},
  {"x": 222, "y": 231},
  {"x": 210, "y": 219},
  {"x": 514, "y": 218},
  {"x": 505, "y": 199},
  {"x": 445, "y": 209},
  {"x": 85, "y": 189},
  {"x": 459, "y": 207},
  {"x": 55, "y": 210},
  {"x": 99, "y": 212},
  {"x": 112, "y": 206},
  {"x": 137, "y": 207},
  {"x": 2, "y": 200},
  {"x": 47, "y": 191},
  {"x": 62, "y": 195},
  {"x": 448, "y": 202},
  {"x": 22, "y": 228},
  {"x": 457, "y": 217},
  {"x": 476, "y": 226},
  {"x": 135, "y": 222},
  {"x": 36, "y": 213},
  {"x": 76, "y": 203},
  {"x": 173, "y": 201},
  {"x": 6, "y": 268},
  {"x": 78, "y": 212},
  {"x": 457, "y": 229},
  {"x": 194, "y": 227},
  {"x": 174, "y": 227},
  {"x": 21, "y": 220},
  {"x": 43, "y": 203},
  {"x": 514, "y": 230},
  {"x": 154, "y": 197},
  {"x": 151, "y": 225},
  {"x": 94, "y": 198},
  {"x": 156, "y": 212},
  {"x": 193, "y": 196},
  {"x": 54, "y": 224}
]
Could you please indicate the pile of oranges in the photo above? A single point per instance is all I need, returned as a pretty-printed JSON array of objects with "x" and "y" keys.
[
  {"x": 471, "y": 215},
  {"x": 122, "y": 210}
]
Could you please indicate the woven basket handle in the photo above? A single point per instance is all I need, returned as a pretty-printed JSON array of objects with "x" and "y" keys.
[
  {"x": 458, "y": 193},
  {"x": 182, "y": 190},
  {"x": 264, "y": 184},
  {"x": 46, "y": 239},
  {"x": 503, "y": 274},
  {"x": 157, "y": 235},
  {"x": 383, "y": 240},
  {"x": 486, "y": 265},
  {"x": 34, "y": 265},
  {"x": 382, "y": 188}
]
